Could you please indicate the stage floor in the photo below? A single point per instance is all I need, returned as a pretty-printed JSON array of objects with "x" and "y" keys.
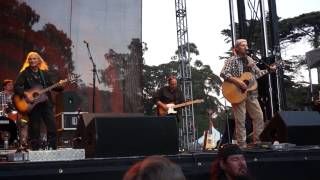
[{"x": 292, "y": 163}]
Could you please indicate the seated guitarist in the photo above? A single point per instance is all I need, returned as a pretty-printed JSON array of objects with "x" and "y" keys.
[
  {"x": 167, "y": 96},
  {"x": 234, "y": 67},
  {"x": 33, "y": 74}
]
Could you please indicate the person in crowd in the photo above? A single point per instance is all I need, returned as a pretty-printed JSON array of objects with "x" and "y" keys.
[
  {"x": 230, "y": 164},
  {"x": 154, "y": 168},
  {"x": 233, "y": 68},
  {"x": 34, "y": 77},
  {"x": 168, "y": 96}
]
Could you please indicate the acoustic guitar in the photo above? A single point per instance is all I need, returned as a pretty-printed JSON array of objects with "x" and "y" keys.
[
  {"x": 236, "y": 95},
  {"x": 34, "y": 96},
  {"x": 171, "y": 106}
]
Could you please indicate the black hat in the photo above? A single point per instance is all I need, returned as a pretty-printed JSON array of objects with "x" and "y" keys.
[{"x": 229, "y": 149}]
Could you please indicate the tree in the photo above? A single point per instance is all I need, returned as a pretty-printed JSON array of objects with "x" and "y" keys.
[
  {"x": 17, "y": 38},
  {"x": 292, "y": 30},
  {"x": 304, "y": 25}
]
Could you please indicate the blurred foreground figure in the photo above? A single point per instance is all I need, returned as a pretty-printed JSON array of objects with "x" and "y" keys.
[{"x": 154, "y": 168}]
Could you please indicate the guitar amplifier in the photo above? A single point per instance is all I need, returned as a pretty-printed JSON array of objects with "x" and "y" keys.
[{"x": 68, "y": 120}]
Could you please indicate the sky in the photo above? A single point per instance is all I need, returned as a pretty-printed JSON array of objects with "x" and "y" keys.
[{"x": 206, "y": 19}]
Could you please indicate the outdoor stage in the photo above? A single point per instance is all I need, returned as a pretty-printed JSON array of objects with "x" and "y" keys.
[
  {"x": 291, "y": 163},
  {"x": 112, "y": 143}
]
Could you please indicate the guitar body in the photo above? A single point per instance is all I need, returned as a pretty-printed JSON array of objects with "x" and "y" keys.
[
  {"x": 236, "y": 95},
  {"x": 34, "y": 94},
  {"x": 208, "y": 143},
  {"x": 162, "y": 112}
]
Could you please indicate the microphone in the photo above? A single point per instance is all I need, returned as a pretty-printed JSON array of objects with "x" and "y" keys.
[
  {"x": 250, "y": 51},
  {"x": 86, "y": 42}
]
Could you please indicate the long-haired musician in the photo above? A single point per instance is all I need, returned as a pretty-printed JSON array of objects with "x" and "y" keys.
[{"x": 34, "y": 77}]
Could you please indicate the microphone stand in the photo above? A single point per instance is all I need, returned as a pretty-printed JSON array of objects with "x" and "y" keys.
[{"x": 94, "y": 71}]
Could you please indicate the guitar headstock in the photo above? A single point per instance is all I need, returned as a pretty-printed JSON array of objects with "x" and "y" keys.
[
  {"x": 72, "y": 78},
  {"x": 277, "y": 64}
]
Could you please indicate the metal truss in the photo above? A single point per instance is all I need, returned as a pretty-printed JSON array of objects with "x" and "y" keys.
[{"x": 187, "y": 130}]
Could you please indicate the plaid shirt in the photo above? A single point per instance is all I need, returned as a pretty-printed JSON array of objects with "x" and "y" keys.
[
  {"x": 235, "y": 66},
  {"x": 5, "y": 100}
]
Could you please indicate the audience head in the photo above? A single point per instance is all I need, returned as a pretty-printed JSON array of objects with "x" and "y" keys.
[
  {"x": 154, "y": 168},
  {"x": 230, "y": 163}
]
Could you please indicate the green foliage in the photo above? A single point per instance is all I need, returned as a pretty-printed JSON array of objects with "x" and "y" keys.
[
  {"x": 192, "y": 49},
  {"x": 296, "y": 28}
]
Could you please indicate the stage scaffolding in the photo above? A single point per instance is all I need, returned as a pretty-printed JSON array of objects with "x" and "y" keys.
[{"x": 187, "y": 131}]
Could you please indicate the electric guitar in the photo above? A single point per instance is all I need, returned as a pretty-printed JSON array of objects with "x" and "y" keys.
[
  {"x": 163, "y": 112},
  {"x": 234, "y": 94},
  {"x": 34, "y": 96},
  {"x": 210, "y": 141}
]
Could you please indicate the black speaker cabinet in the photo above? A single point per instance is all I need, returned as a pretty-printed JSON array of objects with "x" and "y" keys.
[
  {"x": 67, "y": 101},
  {"x": 297, "y": 127},
  {"x": 124, "y": 135}
]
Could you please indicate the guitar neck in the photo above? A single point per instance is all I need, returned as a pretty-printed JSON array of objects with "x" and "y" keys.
[
  {"x": 183, "y": 104},
  {"x": 257, "y": 76},
  {"x": 262, "y": 73},
  {"x": 50, "y": 88}
]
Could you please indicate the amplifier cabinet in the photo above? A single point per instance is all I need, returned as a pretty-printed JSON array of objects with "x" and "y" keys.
[{"x": 68, "y": 120}]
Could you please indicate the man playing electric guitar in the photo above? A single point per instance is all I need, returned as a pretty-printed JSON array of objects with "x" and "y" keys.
[
  {"x": 34, "y": 74},
  {"x": 168, "y": 96},
  {"x": 236, "y": 66}
]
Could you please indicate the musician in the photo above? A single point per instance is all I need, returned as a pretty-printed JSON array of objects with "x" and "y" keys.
[
  {"x": 6, "y": 109},
  {"x": 10, "y": 111},
  {"x": 34, "y": 74},
  {"x": 234, "y": 67},
  {"x": 169, "y": 94},
  {"x": 6, "y": 94}
]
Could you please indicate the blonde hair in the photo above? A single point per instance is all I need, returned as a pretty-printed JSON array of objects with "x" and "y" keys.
[{"x": 43, "y": 65}]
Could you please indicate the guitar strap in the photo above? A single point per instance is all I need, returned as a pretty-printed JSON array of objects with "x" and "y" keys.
[
  {"x": 246, "y": 68},
  {"x": 43, "y": 79}
]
